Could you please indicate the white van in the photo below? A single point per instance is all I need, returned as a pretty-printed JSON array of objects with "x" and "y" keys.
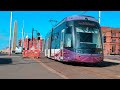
[{"x": 18, "y": 50}]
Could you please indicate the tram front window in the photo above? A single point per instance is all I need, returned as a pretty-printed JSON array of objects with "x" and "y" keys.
[{"x": 88, "y": 39}]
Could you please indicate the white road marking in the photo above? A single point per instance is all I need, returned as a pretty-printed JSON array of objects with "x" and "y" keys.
[
  {"x": 115, "y": 61},
  {"x": 52, "y": 70}
]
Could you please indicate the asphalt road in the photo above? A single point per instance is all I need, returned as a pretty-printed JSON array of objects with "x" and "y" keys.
[
  {"x": 3, "y": 54},
  {"x": 15, "y": 67}
]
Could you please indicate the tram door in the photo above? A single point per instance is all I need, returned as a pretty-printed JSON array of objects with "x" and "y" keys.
[
  {"x": 46, "y": 48},
  {"x": 49, "y": 47},
  {"x": 62, "y": 44}
]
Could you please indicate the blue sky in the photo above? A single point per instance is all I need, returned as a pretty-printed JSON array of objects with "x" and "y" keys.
[{"x": 40, "y": 21}]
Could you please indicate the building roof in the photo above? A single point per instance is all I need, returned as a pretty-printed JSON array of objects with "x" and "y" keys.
[
  {"x": 104, "y": 28},
  {"x": 107, "y": 29}
]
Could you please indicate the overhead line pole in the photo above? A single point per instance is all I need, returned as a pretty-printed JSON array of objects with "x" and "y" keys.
[
  {"x": 51, "y": 20},
  {"x": 99, "y": 16}
]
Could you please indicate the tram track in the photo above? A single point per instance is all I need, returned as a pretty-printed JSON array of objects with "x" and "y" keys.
[
  {"x": 72, "y": 71},
  {"x": 101, "y": 71},
  {"x": 95, "y": 72}
]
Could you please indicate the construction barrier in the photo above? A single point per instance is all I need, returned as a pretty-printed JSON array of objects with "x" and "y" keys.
[
  {"x": 32, "y": 47},
  {"x": 37, "y": 53},
  {"x": 31, "y": 53},
  {"x": 25, "y": 53}
]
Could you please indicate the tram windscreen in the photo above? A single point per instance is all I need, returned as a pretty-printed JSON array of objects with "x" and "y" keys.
[{"x": 88, "y": 37}]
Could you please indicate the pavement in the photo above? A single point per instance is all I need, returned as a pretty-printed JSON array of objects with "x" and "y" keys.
[{"x": 15, "y": 67}]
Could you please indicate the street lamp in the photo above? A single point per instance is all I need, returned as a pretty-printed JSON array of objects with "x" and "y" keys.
[
  {"x": 10, "y": 34},
  {"x": 37, "y": 33}
]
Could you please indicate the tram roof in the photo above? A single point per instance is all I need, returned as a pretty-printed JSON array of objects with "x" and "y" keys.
[
  {"x": 77, "y": 17},
  {"x": 81, "y": 17}
]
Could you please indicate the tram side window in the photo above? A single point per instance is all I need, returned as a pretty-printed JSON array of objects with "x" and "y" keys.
[
  {"x": 68, "y": 37},
  {"x": 49, "y": 43}
]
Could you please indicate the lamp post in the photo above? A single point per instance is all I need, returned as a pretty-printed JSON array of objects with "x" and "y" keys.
[
  {"x": 10, "y": 34},
  {"x": 37, "y": 33}
]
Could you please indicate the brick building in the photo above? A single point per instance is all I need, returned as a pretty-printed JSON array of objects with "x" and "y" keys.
[{"x": 111, "y": 40}]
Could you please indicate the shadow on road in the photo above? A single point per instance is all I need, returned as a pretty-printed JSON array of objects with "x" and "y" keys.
[
  {"x": 5, "y": 61},
  {"x": 101, "y": 64}
]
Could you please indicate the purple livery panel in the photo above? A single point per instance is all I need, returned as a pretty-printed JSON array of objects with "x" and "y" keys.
[{"x": 69, "y": 56}]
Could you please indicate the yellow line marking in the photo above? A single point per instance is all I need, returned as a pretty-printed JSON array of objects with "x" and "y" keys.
[{"x": 52, "y": 70}]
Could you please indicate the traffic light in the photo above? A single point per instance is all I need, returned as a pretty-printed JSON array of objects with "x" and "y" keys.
[
  {"x": 104, "y": 39},
  {"x": 38, "y": 38},
  {"x": 28, "y": 39},
  {"x": 38, "y": 34}
]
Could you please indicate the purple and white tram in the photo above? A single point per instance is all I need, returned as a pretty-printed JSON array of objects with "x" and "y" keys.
[{"x": 75, "y": 38}]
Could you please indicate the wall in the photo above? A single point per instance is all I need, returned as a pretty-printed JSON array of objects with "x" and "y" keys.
[{"x": 108, "y": 32}]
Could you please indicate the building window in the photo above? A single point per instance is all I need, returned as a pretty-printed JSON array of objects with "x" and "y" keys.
[
  {"x": 113, "y": 34},
  {"x": 113, "y": 48},
  {"x": 104, "y": 39},
  {"x": 113, "y": 40}
]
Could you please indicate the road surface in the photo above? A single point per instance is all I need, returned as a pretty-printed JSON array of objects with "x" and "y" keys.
[
  {"x": 104, "y": 70},
  {"x": 15, "y": 67}
]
